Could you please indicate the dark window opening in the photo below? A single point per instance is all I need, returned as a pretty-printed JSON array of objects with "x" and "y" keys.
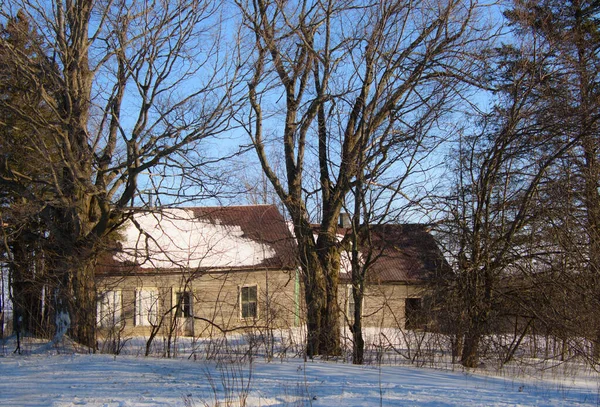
[
  {"x": 184, "y": 304},
  {"x": 413, "y": 312}
]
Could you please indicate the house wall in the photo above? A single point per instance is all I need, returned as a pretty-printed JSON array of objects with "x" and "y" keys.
[
  {"x": 383, "y": 304},
  {"x": 215, "y": 298},
  {"x": 216, "y": 302}
]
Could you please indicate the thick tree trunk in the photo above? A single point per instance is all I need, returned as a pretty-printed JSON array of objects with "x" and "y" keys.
[
  {"x": 83, "y": 321},
  {"x": 477, "y": 307},
  {"x": 71, "y": 262},
  {"x": 75, "y": 303},
  {"x": 323, "y": 333},
  {"x": 62, "y": 306},
  {"x": 470, "y": 350},
  {"x": 330, "y": 328},
  {"x": 320, "y": 277},
  {"x": 314, "y": 295}
]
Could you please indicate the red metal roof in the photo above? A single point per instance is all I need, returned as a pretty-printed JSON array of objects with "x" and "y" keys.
[
  {"x": 399, "y": 253},
  {"x": 402, "y": 253},
  {"x": 259, "y": 224}
]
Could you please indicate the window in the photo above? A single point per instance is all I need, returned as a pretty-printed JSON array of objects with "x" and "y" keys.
[
  {"x": 183, "y": 302},
  {"x": 351, "y": 306},
  {"x": 146, "y": 306},
  {"x": 248, "y": 301},
  {"x": 413, "y": 313},
  {"x": 108, "y": 309}
]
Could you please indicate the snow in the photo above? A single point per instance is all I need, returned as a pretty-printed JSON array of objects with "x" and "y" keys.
[
  {"x": 42, "y": 378},
  {"x": 175, "y": 238}
]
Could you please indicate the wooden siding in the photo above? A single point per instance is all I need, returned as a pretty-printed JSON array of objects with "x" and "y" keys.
[
  {"x": 215, "y": 301},
  {"x": 383, "y": 304}
]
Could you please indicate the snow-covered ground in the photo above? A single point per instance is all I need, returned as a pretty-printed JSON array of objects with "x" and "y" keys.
[{"x": 45, "y": 377}]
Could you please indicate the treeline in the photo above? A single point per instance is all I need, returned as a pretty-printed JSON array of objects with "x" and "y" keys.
[{"x": 521, "y": 222}]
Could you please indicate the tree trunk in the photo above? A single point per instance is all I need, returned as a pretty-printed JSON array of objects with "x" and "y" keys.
[
  {"x": 470, "y": 350},
  {"x": 358, "y": 348},
  {"x": 27, "y": 285},
  {"x": 83, "y": 320},
  {"x": 323, "y": 334},
  {"x": 75, "y": 304},
  {"x": 330, "y": 328},
  {"x": 477, "y": 313},
  {"x": 315, "y": 310},
  {"x": 71, "y": 262},
  {"x": 320, "y": 270}
]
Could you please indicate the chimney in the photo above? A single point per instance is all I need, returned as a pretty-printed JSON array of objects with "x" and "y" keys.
[
  {"x": 150, "y": 200},
  {"x": 345, "y": 220}
]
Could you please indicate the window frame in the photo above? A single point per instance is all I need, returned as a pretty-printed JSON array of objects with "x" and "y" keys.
[
  {"x": 242, "y": 302},
  {"x": 109, "y": 309},
  {"x": 145, "y": 319},
  {"x": 413, "y": 316},
  {"x": 183, "y": 309}
]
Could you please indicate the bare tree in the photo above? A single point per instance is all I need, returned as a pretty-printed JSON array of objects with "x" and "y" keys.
[
  {"x": 391, "y": 194},
  {"x": 500, "y": 171},
  {"x": 126, "y": 86},
  {"x": 341, "y": 85}
]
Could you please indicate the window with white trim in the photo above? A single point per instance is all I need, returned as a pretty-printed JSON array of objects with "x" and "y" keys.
[
  {"x": 249, "y": 301},
  {"x": 146, "y": 306},
  {"x": 108, "y": 309}
]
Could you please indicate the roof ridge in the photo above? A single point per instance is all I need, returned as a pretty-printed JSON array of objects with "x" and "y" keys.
[{"x": 160, "y": 208}]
